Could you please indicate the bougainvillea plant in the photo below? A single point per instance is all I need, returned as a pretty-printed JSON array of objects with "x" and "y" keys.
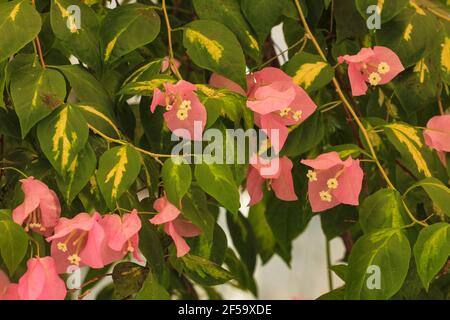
[{"x": 119, "y": 139}]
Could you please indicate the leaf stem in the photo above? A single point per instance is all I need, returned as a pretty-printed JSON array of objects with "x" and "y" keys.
[
  {"x": 14, "y": 169},
  {"x": 169, "y": 34},
  {"x": 156, "y": 156},
  {"x": 38, "y": 44},
  {"x": 302, "y": 40},
  {"x": 329, "y": 273}
]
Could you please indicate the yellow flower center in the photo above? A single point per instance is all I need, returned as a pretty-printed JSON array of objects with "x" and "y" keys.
[
  {"x": 374, "y": 78},
  {"x": 332, "y": 183},
  {"x": 312, "y": 175},
  {"x": 325, "y": 196},
  {"x": 74, "y": 259},
  {"x": 62, "y": 246},
  {"x": 384, "y": 68},
  {"x": 185, "y": 105},
  {"x": 284, "y": 112},
  {"x": 297, "y": 115},
  {"x": 169, "y": 107},
  {"x": 182, "y": 114},
  {"x": 183, "y": 109}
]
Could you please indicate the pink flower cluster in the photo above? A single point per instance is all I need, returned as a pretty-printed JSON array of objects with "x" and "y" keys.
[
  {"x": 174, "y": 226},
  {"x": 375, "y": 66},
  {"x": 84, "y": 240}
]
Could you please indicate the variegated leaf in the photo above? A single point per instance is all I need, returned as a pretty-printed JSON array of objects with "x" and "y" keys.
[
  {"x": 77, "y": 32},
  {"x": 78, "y": 174},
  {"x": 214, "y": 47},
  {"x": 62, "y": 136},
  {"x": 127, "y": 28},
  {"x": 36, "y": 92},
  {"x": 407, "y": 141},
  {"x": 309, "y": 71},
  {"x": 19, "y": 24},
  {"x": 145, "y": 88},
  {"x": 118, "y": 169}
]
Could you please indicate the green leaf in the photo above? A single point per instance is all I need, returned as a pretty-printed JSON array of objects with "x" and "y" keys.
[
  {"x": 5, "y": 214},
  {"x": 337, "y": 220},
  {"x": 13, "y": 244},
  {"x": 195, "y": 208},
  {"x": 19, "y": 24},
  {"x": 128, "y": 278},
  {"x": 388, "y": 9},
  {"x": 62, "y": 136},
  {"x": 437, "y": 191},
  {"x": 265, "y": 240},
  {"x": 340, "y": 270},
  {"x": 228, "y": 12},
  {"x": 204, "y": 271},
  {"x": 152, "y": 290},
  {"x": 287, "y": 220},
  {"x": 213, "y": 250},
  {"x": 336, "y": 294},
  {"x": 262, "y": 15},
  {"x": 240, "y": 272},
  {"x": 36, "y": 92},
  {"x": 431, "y": 251},
  {"x": 79, "y": 173},
  {"x": 118, "y": 169},
  {"x": 347, "y": 150},
  {"x": 418, "y": 87},
  {"x": 88, "y": 89},
  {"x": 217, "y": 180},
  {"x": 177, "y": 179},
  {"x": 214, "y": 47},
  {"x": 309, "y": 71},
  {"x": 388, "y": 250},
  {"x": 123, "y": 28},
  {"x": 243, "y": 239},
  {"x": 382, "y": 210},
  {"x": 83, "y": 43},
  {"x": 150, "y": 246},
  {"x": 300, "y": 140}
]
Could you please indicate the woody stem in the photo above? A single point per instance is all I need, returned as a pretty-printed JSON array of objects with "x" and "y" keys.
[
  {"x": 169, "y": 35},
  {"x": 343, "y": 97},
  {"x": 38, "y": 44}
]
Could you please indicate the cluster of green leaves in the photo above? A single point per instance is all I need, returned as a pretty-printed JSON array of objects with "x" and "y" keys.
[{"x": 69, "y": 116}]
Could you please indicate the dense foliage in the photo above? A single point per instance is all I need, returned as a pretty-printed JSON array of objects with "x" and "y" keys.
[{"x": 92, "y": 92}]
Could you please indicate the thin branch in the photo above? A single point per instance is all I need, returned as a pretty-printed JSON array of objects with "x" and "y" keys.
[{"x": 169, "y": 34}]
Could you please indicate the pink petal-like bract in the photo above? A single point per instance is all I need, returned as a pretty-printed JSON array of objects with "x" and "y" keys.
[
  {"x": 40, "y": 209},
  {"x": 277, "y": 172},
  {"x": 78, "y": 242},
  {"x": 333, "y": 181},
  {"x": 376, "y": 66},
  {"x": 41, "y": 281},
  {"x": 185, "y": 115}
]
